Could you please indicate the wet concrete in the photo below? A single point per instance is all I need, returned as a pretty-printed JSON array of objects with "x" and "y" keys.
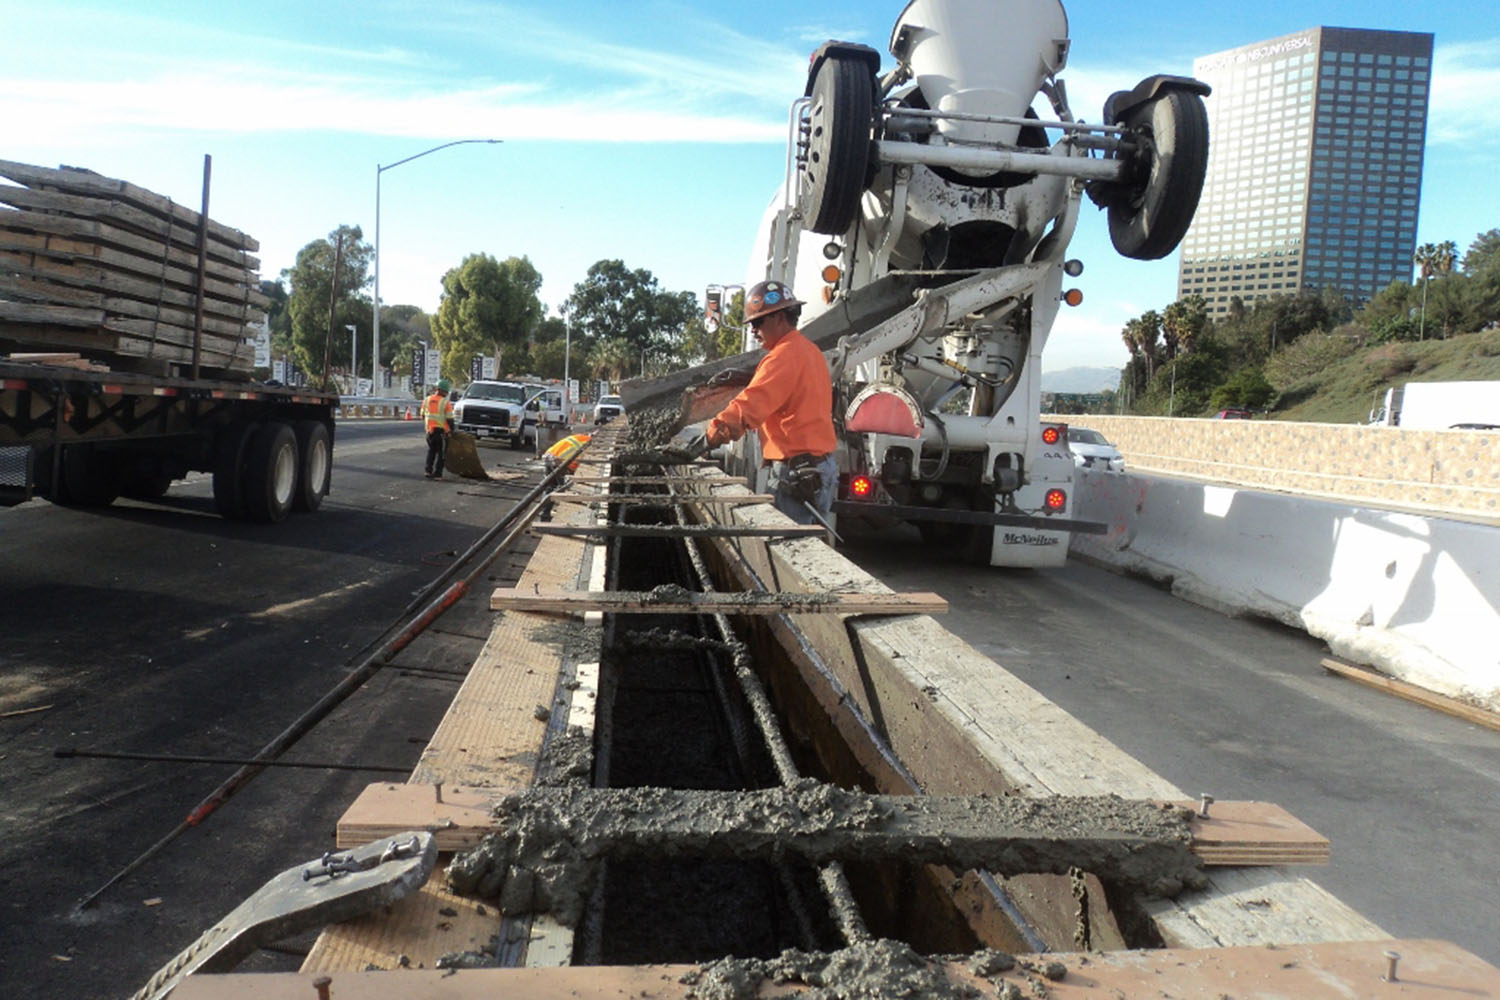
[
  {"x": 545, "y": 855},
  {"x": 649, "y": 429}
]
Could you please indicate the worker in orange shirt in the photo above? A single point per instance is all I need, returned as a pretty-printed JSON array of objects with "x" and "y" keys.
[
  {"x": 437, "y": 421},
  {"x": 789, "y": 402}
]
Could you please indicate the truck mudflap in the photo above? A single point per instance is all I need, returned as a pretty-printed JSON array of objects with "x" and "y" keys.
[{"x": 956, "y": 516}]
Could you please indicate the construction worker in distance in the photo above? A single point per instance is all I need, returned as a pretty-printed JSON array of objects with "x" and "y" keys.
[
  {"x": 565, "y": 450},
  {"x": 437, "y": 420},
  {"x": 789, "y": 402}
]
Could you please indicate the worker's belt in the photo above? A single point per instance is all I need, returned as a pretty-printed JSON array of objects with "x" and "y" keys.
[{"x": 805, "y": 460}]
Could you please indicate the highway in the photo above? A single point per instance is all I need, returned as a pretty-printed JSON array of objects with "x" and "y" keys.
[{"x": 161, "y": 628}]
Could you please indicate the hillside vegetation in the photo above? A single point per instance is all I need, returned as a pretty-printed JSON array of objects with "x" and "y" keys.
[{"x": 1319, "y": 355}]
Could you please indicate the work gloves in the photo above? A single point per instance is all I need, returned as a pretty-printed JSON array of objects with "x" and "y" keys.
[{"x": 698, "y": 446}]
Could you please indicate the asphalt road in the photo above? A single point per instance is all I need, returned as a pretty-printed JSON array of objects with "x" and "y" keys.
[
  {"x": 162, "y": 628},
  {"x": 1240, "y": 708}
]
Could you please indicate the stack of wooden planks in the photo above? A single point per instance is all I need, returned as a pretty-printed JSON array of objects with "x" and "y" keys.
[{"x": 110, "y": 270}]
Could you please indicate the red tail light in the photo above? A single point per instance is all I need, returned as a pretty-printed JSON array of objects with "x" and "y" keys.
[
  {"x": 1050, "y": 435},
  {"x": 861, "y": 487},
  {"x": 1056, "y": 499}
]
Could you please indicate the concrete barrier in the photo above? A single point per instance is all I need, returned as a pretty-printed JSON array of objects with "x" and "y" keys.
[
  {"x": 1418, "y": 597},
  {"x": 1439, "y": 471}
]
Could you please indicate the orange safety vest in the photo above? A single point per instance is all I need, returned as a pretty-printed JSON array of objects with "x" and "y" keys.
[
  {"x": 565, "y": 449},
  {"x": 437, "y": 412},
  {"x": 789, "y": 401}
]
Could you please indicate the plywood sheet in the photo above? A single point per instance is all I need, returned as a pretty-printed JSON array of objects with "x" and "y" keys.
[{"x": 742, "y": 603}]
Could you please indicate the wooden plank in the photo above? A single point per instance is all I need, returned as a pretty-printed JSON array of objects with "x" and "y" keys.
[
  {"x": 51, "y": 293},
  {"x": 247, "y": 309},
  {"x": 457, "y": 816},
  {"x": 111, "y": 210},
  {"x": 679, "y": 531},
  {"x": 1249, "y": 833},
  {"x": 143, "y": 247},
  {"x": 27, "y": 312},
  {"x": 125, "y": 265},
  {"x": 658, "y": 499},
  {"x": 718, "y": 602},
  {"x": 1254, "y": 833},
  {"x": 1411, "y": 692},
  {"x": 1327, "y": 971},
  {"x": 88, "y": 182}
]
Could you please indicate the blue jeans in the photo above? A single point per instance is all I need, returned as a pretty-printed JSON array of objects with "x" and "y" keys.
[{"x": 828, "y": 469}]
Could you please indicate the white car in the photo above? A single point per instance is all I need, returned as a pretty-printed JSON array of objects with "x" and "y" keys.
[
  {"x": 1092, "y": 451},
  {"x": 607, "y": 409}
]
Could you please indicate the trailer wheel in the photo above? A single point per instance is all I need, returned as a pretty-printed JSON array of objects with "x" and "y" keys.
[
  {"x": 1151, "y": 218},
  {"x": 838, "y": 144},
  {"x": 271, "y": 473},
  {"x": 145, "y": 478},
  {"x": 230, "y": 452},
  {"x": 90, "y": 477},
  {"x": 315, "y": 452}
]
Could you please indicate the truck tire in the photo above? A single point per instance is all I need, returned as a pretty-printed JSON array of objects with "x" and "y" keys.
[
  {"x": 838, "y": 144},
  {"x": 315, "y": 454},
  {"x": 90, "y": 477},
  {"x": 230, "y": 452},
  {"x": 271, "y": 468},
  {"x": 1151, "y": 219},
  {"x": 145, "y": 477}
]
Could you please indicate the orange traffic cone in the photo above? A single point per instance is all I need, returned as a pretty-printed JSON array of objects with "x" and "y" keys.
[{"x": 408, "y": 414}]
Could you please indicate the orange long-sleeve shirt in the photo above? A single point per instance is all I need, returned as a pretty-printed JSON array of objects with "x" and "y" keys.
[{"x": 789, "y": 401}]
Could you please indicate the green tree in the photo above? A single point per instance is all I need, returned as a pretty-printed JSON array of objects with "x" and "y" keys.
[
  {"x": 277, "y": 316},
  {"x": 1182, "y": 323},
  {"x": 488, "y": 307},
  {"x": 1307, "y": 357},
  {"x": 1246, "y": 388},
  {"x": 1483, "y": 254},
  {"x": 402, "y": 328},
  {"x": 615, "y": 303},
  {"x": 311, "y": 281}
]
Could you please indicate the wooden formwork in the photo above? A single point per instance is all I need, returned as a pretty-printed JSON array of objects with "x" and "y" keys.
[{"x": 958, "y": 724}]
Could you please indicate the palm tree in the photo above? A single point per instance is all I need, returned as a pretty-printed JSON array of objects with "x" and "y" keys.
[{"x": 1432, "y": 258}]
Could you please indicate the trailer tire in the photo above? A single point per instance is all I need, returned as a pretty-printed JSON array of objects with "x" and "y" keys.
[
  {"x": 271, "y": 468},
  {"x": 1149, "y": 219},
  {"x": 230, "y": 452},
  {"x": 315, "y": 458},
  {"x": 838, "y": 144},
  {"x": 90, "y": 477}
]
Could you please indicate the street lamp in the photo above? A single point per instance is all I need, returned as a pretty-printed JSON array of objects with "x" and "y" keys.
[
  {"x": 375, "y": 369},
  {"x": 353, "y": 355}
]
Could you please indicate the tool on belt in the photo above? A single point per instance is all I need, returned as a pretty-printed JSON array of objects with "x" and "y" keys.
[{"x": 335, "y": 887}]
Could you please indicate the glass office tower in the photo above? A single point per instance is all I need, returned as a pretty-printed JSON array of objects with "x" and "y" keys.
[{"x": 1314, "y": 166}]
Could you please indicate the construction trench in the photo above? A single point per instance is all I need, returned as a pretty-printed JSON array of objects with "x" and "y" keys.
[{"x": 707, "y": 790}]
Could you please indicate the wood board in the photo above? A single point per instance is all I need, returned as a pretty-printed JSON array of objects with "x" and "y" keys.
[
  {"x": 679, "y": 531},
  {"x": 1412, "y": 692},
  {"x": 1243, "y": 834},
  {"x": 1255, "y": 833},
  {"x": 737, "y": 603},
  {"x": 659, "y": 499},
  {"x": 1329, "y": 971}
]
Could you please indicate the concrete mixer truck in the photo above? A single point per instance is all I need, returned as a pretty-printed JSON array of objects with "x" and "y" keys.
[{"x": 925, "y": 219}]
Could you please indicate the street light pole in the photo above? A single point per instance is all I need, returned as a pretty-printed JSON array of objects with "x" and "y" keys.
[
  {"x": 353, "y": 355},
  {"x": 375, "y": 369},
  {"x": 567, "y": 384}
]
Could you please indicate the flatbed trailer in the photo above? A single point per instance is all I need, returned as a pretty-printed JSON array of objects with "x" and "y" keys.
[{"x": 83, "y": 436}]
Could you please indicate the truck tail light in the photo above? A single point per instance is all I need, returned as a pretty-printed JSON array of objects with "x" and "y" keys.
[
  {"x": 861, "y": 487},
  {"x": 1056, "y": 499},
  {"x": 1051, "y": 435}
]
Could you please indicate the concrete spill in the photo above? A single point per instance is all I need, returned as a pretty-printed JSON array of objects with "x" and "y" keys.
[{"x": 550, "y": 841}]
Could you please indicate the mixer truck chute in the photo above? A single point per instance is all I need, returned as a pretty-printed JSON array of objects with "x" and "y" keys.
[{"x": 925, "y": 219}]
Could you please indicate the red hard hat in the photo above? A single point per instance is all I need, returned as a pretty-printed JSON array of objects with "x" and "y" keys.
[{"x": 768, "y": 297}]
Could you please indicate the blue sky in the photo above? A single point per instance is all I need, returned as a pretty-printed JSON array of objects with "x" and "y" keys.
[{"x": 649, "y": 131}]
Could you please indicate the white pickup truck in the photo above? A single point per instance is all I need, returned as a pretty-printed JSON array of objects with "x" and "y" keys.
[{"x": 508, "y": 411}]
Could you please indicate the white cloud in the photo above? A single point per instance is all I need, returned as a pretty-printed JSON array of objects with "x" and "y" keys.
[{"x": 1462, "y": 108}]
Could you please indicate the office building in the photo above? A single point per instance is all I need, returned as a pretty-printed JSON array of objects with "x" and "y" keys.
[{"x": 1314, "y": 166}]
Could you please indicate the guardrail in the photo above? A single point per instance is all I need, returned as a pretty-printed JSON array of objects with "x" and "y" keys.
[
  {"x": 1448, "y": 471},
  {"x": 378, "y": 407}
]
